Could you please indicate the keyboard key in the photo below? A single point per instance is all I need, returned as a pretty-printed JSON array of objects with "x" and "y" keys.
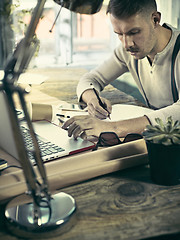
[{"x": 47, "y": 149}]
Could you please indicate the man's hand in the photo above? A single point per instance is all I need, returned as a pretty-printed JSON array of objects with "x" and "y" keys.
[
  {"x": 96, "y": 110},
  {"x": 94, "y": 107},
  {"x": 84, "y": 126}
]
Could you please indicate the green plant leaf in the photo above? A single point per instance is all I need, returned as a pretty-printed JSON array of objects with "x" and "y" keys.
[
  {"x": 160, "y": 123},
  {"x": 175, "y": 139},
  {"x": 167, "y": 133}
]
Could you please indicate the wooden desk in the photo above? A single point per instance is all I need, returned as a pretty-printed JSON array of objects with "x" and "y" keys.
[{"x": 122, "y": 205}]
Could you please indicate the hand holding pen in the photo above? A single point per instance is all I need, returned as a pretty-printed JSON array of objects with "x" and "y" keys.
[{"x": 103, "y": 105}]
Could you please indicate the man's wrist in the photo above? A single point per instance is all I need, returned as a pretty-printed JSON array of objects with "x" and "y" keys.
[{"x": 87, "y": 95}]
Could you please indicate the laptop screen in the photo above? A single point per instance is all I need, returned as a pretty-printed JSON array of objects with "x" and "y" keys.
[
  {"x": 47, "y": 133},
  {"x": 7, "y": 137}
]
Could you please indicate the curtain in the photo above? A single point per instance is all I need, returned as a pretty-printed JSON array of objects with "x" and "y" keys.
[{"x": 6, "y": 32}]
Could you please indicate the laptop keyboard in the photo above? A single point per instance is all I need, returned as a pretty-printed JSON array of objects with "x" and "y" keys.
[{"x": 49, "y": 151}]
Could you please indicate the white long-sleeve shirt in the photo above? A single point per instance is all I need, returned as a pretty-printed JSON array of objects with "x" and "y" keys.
[{"x": 155, "y": 79}]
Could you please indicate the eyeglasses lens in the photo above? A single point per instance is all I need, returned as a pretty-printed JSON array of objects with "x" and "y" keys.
[
  {"x": 132, "y": 137},
  {"x": 109, "y": 139}
]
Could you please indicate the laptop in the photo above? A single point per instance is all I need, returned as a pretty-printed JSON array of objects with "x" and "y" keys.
[{"x": 48, "y": 134}]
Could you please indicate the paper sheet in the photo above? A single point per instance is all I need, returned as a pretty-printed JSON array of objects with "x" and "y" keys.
[
  {"x": 125, "y": 111},
  {"x": 119, "y": 112}
]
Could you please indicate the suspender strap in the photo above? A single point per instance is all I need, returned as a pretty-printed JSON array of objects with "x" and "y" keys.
[
  {"x": 137, "y": 71},
  {"x": 173, "y": 82}
]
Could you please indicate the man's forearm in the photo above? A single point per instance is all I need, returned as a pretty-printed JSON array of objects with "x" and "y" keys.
[
  {"x": 135, "y": 125},
  {"x": 87, "y": 95}
]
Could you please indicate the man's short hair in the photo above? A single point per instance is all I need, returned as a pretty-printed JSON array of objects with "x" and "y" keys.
[{"x": 122, "y": 9}]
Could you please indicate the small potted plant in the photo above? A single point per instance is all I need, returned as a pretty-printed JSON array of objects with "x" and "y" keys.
[{"x": 163, "y": 145}]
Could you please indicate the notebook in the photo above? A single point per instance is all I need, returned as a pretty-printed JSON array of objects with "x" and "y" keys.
[
  {"x": 127, "y": 111},
  {"x": 46, "y": 131}
]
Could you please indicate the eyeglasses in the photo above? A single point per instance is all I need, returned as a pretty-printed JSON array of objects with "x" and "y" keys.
[{"x": 107, "y": 139}]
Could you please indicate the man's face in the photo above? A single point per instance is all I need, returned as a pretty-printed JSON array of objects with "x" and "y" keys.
[{"x": 137, "y": 35}]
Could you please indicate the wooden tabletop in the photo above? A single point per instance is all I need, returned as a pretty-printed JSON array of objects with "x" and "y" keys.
[{"x": 122, "y": 205}]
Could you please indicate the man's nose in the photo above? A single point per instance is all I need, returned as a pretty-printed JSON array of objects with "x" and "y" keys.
[{"x": 127, "y": 42}]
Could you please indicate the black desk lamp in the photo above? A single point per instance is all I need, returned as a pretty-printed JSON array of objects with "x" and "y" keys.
[
  {"x": 40, "y": 214},
  {"x": 82, "y": 6}
]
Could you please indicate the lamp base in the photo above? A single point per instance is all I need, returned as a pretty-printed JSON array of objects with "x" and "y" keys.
[{"x": 53, "y": 221}]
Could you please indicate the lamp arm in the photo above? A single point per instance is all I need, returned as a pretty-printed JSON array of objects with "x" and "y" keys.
[
  {"x": 37, "y": 154},
  {"x": 29, "y": 173},
  {"x": 17, "y": 64},
  {"x": 42, "y": 213}
]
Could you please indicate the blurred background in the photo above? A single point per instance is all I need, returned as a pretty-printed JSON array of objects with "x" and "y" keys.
[
  {"x": 75, "y": 39},
  {"x": 73, "y": 36}
]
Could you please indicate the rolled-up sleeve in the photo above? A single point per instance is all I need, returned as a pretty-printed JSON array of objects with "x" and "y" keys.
[
  {"x": 101, "y": 76},
  {"x": 163, "y": 113}
]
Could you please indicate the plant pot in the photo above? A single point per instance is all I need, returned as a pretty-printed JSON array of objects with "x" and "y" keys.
[{"x": 164, "y": 163}]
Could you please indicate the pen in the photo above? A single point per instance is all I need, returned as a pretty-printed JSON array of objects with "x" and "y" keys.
[
  {"x": 62, "y": 115},
  {"x": 72, "y": 110},
  {"x": 103, "y": 105},
  {"x": 62, "y": 121}
]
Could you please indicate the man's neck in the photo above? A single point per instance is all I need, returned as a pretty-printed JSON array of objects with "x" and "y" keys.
[{"x": 163, "y": 38}]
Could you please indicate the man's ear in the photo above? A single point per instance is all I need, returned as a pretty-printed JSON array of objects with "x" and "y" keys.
[{"x": 156, "y": 17}]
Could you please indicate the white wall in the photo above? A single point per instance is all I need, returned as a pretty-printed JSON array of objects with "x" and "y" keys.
[{"x": 170, "y": 10}]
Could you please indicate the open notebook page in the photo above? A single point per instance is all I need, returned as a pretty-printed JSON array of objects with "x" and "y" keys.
[
  {"x": 125, "y": 111},
  {"x": 119, "y": 112}
]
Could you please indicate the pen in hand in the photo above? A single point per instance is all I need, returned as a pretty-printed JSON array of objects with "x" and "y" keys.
[{"x": 103, "y": 105}]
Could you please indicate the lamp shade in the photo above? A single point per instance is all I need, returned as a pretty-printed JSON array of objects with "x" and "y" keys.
[{"x": 81, "y": 6}]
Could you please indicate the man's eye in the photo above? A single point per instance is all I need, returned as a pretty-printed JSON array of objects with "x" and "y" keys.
[{"x": 133, "y": 33}]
